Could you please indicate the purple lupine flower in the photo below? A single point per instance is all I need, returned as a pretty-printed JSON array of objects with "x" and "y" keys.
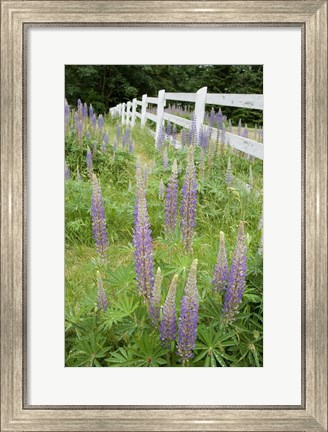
[
  {"x": 142, "y": 241},
  {"x": 67, "y": 115},
  {"x": 100, "y": 122},
  {"x": 79, "y": 131},
  {"x": 239, "y": 127},
  {"x": 103, "y": 147},
  {"x": 155, "y": 299},
  {"x": 98, "y": 218},
  {"x": 94, "y": 150},
  {"x": 165, "y": 159},
  {"x": 168, "y": 128},
  {"x": 89, "y": 160},
  {"x": 160, "y": 138},
  {"x": 220, "y": 280},
  {"x": 201, "y": 168},
  {"x": 219, "y": 119},
  {"x": 230, "y": 126},
  {"x": 107, "y": 139},
  {"x": 76, "y": 120},
  {"x": 212, "y": 117},
  {"x": 79, "y": 109},
  {"x": 118, "y": 132},
  {"x": 223, "y": 132},
  {"x": 189, "y": 202},
  {"x": 94, "y": 121},
  {"x": 168, "y": 327},
  {"x": 91, "y": 112},
  {"x": 174, "y": 135},
  {"x": 100, "y": 126},
  {"x": 204, "y": 136},
  {"x": 88, "y": 136},
  {"x": 237, "y": 278},
  {"x": 245, "y": 132},
  {"x": 161, "y": 190},
  {"x": 85, "y": 111},
  {"x": 188, "y": 320},
  {"x": 171, "y": 201},
  {"x": 193, "y": 130},
  {"x": 67, "y": 172},
  {"x": 228, "y": 174},
  {"x": 125, "y": 137},
  {"x": 102, "y": 296}
]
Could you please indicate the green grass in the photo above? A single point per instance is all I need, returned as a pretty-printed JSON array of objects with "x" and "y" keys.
[{"x": 112, "y": 338}]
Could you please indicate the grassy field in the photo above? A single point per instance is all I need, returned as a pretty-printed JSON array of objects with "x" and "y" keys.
[{"x": 123, "y": 334}]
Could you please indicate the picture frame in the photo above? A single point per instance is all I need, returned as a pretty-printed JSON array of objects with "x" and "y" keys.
[{"x": 16, "y": 18}]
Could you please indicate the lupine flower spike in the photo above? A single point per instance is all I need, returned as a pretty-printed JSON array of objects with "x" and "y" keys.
[
  {"x": 188, "y": 320},
  {"x": 155, "y": 299},
  {"x": 245, "y": 132},
  {"x": 165, "y": 159},
  {"x": 171, "y": 201},
  {"x": 98, "y": 218},
  {"x": 102, "y": 296},
  {"x": 237, "y": 278},
  {"x": 168, "y": 327},
  {"x": 220, "y": 281},
  {"x": 89, "y": 160},
  {"x": 220, "y": 119},
  {"x": 142, "y": 241},
  {"x": 228, "y": 174},
  {"x": 189, "y": 202},
  {"x": 161, "y": 190}
]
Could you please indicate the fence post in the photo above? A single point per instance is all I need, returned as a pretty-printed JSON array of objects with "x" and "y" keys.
[
  {"x": 123, "y": 113},
  {"x": 128, "y": 112},
  {"x": 160, "y": 113},
  {"x": 200, "y": 109},
  {"x": 143, "y": 110},
  {"x": 134, "y": 109}
]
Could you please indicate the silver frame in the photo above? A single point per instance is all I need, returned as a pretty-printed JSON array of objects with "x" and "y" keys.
[{"x": 16, "y": 17}]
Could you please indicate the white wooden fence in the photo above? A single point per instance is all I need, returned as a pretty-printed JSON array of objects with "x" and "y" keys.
[{"x": 128, "y": 112}]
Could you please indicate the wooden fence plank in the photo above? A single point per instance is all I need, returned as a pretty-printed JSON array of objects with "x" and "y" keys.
[
  {"x": 181, "y": 121},
  {"x": 151, "y": 116},
  {"x": 253, "y": 101},
  {"x": 183, "y": 97}
]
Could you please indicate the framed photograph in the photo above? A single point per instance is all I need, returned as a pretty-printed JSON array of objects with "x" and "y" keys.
[{"x": 164, "y": 215}]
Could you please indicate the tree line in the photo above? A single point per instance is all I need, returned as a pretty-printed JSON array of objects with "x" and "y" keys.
[{"x": 105, "y": 86}]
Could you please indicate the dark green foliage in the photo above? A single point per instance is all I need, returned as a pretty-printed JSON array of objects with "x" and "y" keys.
[{"x": 108, "y": 85}]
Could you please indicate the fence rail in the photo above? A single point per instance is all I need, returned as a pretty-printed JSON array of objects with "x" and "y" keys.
[{"x": 128, "y": 113}]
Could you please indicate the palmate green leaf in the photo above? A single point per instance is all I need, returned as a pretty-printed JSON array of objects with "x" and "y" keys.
[
  {"x": 118, "y": 311},
  {"x": 121, "y": 357},
  {"x": 121, "y": 278},
  {"x": 211, "y": 346},
  {"x": 149, "y": 352},
  {"x": 89, "y": 350}
]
